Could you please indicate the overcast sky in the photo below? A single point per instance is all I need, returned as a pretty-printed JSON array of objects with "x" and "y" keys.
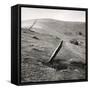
[{"x": 65, "y": 15}]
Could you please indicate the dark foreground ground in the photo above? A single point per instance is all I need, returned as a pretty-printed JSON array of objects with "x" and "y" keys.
[{"x": 38, "y": 44}]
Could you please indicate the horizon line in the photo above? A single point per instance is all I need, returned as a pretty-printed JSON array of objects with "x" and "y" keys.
[{"x": 53, "y": 19}]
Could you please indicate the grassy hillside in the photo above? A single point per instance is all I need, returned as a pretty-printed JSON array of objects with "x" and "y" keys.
[{"x": 38, "y": 44}]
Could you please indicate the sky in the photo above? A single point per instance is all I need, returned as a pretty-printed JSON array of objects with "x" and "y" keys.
[{"x": 65, "y": 15}]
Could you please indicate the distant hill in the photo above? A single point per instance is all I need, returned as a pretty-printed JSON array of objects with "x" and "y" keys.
[{"x": 54, "y": 27}]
